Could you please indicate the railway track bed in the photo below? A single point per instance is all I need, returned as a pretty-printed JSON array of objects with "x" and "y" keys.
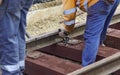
[{"x": 47, "y": 57}]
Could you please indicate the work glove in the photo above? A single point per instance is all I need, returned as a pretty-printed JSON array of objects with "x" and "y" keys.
[
  {"x": 1, "y": 2},
  {"x": 109, "y": 2}
]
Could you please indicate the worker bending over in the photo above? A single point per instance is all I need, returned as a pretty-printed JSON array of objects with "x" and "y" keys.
[
  {"x": 99, "y": 14},
  {"x": 12, "y": 35}
]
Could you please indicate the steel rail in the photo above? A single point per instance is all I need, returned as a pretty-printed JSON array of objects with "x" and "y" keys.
[
  {"x": 102, "y": 67},
  {"x": 50, "y": 38}
]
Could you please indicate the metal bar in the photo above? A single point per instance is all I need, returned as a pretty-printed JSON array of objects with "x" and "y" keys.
[{"x": 102, "y": 67}]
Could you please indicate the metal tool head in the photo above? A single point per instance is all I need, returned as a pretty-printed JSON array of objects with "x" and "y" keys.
[{"x": 66, "y": 40}]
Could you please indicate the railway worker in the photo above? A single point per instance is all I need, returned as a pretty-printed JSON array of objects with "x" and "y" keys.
[
  {"x": 12, "y": 35},
  {"x": 99, "y": 15}
]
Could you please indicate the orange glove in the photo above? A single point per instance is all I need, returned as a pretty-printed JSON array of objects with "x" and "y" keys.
[
  {"x": 69, "y": 28},
  {"x": 1, "y": 2}
]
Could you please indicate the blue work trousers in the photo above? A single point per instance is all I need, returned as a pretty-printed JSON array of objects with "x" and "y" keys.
[
  {"x": 98, "y": 19},
  {"x": 12, "y": 35}
]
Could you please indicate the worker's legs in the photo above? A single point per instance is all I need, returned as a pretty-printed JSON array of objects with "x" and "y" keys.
[
  {"x": 95, "y": 23},
  {"x": 9, "y": 52},
  {"x": 108, "y": 19},
  {"x": 22, "y": 32},
  {"x": 12, "y": 40}
]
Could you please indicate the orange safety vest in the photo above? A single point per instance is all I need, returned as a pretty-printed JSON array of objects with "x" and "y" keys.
[{"x": 70, "y": 9}]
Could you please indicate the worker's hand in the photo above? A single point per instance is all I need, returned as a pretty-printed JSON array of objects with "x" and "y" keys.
[
  {"x": 62, "y": 33},
  {"x": 1, "y": 2},
  {"x": 109, "y": 1}
]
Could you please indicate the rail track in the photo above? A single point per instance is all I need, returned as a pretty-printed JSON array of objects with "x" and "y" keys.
[{"x": 47, "y": 57}]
